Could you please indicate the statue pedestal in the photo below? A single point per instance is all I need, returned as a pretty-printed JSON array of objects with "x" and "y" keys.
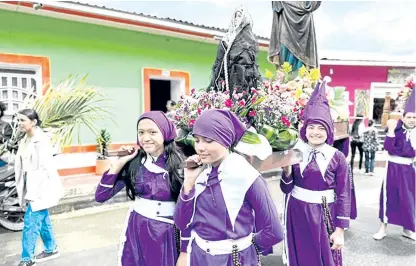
[
  {"x": 276, "y": 161},
  {"x": 341, "y": 130}
]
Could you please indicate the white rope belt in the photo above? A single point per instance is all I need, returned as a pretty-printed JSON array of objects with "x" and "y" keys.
[
  {"x": 311, "y": 196},
  {"x": 156, "y": 210},
  {"x": 400, "y": 160},
  {"x": 222, "y": 247}
]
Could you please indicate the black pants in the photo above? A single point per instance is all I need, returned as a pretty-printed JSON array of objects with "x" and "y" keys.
[{"x": 354, "y": 146}]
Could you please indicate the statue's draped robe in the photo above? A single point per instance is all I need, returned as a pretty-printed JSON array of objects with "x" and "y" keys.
[
  {"x": 243, "y": 70},
  {"x": 293, "y": 36}
]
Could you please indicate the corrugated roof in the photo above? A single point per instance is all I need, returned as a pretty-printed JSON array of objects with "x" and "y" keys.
[{"x": 159, "y": 18}]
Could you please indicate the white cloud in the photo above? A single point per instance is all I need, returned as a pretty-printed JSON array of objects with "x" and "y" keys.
[{"x": 392, "y": 25}]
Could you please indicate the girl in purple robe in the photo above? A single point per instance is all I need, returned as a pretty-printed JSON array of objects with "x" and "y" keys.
[
  {"x": 153, "y": 181},
  {"x": 397, "y": 197},
  {"x": 317, "y": 207},
  {"x": 225, "y": 204}
]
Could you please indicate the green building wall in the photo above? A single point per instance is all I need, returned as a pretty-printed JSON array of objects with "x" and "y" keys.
[{"x": 113, "y": 59}]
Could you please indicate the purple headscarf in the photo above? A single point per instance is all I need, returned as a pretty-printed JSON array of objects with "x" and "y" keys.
[
  {"x": 219, "y": 125},
  {"x": 317, "y": 111},
  {"x": 166, "y": 126},
  {"x": 410, "y": 104}
]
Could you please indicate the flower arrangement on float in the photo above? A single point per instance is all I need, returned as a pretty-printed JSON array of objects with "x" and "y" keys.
[
  {"x": 404, "y": 92},
  {"x": 271, "y": 111}
]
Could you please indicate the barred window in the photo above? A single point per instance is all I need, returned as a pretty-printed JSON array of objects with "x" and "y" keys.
[{"x": 15, "y": 85}]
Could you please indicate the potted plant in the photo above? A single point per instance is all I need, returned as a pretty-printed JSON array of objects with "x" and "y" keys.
[{"x": 102, "y": 162}]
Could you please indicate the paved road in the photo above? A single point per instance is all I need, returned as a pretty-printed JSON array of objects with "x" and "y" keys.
[{"x": 89, "y": 237}]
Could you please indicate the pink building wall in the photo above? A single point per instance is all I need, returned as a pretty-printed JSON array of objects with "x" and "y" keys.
[{"x": 355, "y": 77}]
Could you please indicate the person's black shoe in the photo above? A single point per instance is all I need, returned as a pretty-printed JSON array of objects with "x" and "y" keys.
[{"x": 44, "y": 256}]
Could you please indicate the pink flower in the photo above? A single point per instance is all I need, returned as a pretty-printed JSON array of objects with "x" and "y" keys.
[
  {"x": 193, "y": 91},
  {"x": 191, "y": 122},
  {"x": 253, "y": 100},
  {"x": 199, "y": 111},
  {"x": 254, "y": 91},
  {"x": 252, "y": 113},
  {"x": 285, "y": 121},
  {"x": 242, "y": 103},
  {"x": 228, "y": 103}
]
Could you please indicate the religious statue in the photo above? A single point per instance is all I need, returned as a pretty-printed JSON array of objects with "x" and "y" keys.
[
  {"x": 293, "y": 36},
  {"x": 236, "y": 62}
]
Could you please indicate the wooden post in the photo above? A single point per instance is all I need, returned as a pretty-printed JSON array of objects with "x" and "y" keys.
[{"x": 386, "y": 110}]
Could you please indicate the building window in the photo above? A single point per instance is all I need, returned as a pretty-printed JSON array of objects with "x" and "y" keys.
[{"x": 16, "y": 84}]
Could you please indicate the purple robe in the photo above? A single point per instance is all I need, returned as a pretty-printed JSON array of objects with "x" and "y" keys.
[
  {"x": 343, "y": 145},
  {"x": 400, "y": 183},
  {"x": 148, "y": 242},
  {"x": 212, "y": 222},
  {"x": 307, "y": 237}
]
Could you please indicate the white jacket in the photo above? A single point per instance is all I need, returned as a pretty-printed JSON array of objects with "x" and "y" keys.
[{"x": 43, "y": 181}]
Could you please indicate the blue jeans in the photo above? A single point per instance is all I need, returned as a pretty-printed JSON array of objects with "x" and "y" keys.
[
  {"x": 370, "y": 157},
  {"x": 35, "y": 224}
]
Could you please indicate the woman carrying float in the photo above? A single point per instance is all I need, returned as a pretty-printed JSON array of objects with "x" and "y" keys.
[
  {"x": 225, "y": 200},
  {"x": 318, "y": 193}
]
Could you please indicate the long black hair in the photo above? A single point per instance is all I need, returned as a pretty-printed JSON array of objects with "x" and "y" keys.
[
  {"x": 174, "y": 157},
  {"x": 355, "y": 125},
  {"x": 2, "y": 109}
]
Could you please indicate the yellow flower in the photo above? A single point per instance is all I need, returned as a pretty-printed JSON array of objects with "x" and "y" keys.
[
  {"x": 287, "y": 68},
  {"x": 268, "y": 74},
  {"x": 298, "y": 93},
  {"x": 302, "y": 71},
  {"x": 314, "y": 74}
]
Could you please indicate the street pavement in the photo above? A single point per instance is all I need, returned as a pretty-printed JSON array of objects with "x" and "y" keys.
[{"x": 90, "y": 237}]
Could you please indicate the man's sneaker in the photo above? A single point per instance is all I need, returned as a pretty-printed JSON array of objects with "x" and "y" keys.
[
  {"x": 27, "y": 263},
  {"x": 409, "y": 234},
  {"x": 44, "y": 256}
]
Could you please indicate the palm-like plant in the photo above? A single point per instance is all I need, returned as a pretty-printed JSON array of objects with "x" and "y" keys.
[
  {"x": 103, "y": 140},
  {"x": 66, "y": 107}
]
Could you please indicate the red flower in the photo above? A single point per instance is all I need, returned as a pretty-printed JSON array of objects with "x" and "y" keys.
[
  {"x": 228, "y": 103},
  {"x": 252, "y": 113},
  {"x": 199, "y": 111},
  {"x": 191, "y": 122},
  {"x": 295, "y": 109},
  {"x": 409, "y": 84}
]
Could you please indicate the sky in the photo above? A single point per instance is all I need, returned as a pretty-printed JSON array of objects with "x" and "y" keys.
[{"x": 382, "y": 27}]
